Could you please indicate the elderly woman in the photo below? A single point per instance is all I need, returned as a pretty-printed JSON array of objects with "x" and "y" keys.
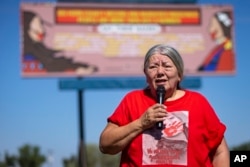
[{"x": 192, "y": 134}]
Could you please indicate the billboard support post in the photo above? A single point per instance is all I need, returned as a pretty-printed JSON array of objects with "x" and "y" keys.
[{"x": 82, "y": 147}]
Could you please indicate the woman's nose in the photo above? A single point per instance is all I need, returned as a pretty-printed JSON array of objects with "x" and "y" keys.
[{"x": 160, "y": 70}]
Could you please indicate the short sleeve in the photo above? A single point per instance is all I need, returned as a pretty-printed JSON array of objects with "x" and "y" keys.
[
  {"x": 119, "y": 116},
  {"x": 215, "y": 129},
  {"x": 131, "y": 107}
]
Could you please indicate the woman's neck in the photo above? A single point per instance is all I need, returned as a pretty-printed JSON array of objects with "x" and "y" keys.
[{"x": 177, "y": 93}]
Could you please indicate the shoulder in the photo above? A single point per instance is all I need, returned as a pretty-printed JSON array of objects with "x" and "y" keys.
[
  {"x": 138, "y": 95},
  {"x": 195, "y": 95},
  {"x": 133, "y": 93},
  {"x": 138, "y": 92}
]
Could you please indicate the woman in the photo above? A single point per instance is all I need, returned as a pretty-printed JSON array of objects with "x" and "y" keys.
[
  {"x": 192, "y": 135},
  {"x": 221, "y": 58},
  {"x": 35, "y": 49}
]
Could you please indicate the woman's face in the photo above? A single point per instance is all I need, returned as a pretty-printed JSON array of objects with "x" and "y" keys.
[
  {"x": 215, "y": 29},
  {"x": 162, "y": 71},
  {"x": 36, "y": 30}
]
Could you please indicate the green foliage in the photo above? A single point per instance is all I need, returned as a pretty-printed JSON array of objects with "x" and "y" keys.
[
  {"x": 242, "y": 147},
  {"x": 71, "y": 162},
  {"x": 3, "y": 164},
  {"x": 92, "y": 155},
  {"x": 109, "y": 160},
  {"x": 94, "y": 158},
  {"x": 29, "y": 156},
  {"x": 8, "y": 161}
]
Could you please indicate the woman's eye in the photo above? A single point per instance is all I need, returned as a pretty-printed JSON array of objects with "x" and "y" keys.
[
  {"x": 152, "y": 67},
  {"x": 167, "y": 66}
]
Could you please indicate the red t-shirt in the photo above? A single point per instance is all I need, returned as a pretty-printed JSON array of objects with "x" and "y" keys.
[{"x": 192, "y": 131}]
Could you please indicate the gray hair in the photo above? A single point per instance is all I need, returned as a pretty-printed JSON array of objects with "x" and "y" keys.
[{"x": 167, "y": 51}]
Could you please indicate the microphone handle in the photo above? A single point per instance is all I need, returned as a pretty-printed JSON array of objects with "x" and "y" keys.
[{"x": 159, "y": 125}]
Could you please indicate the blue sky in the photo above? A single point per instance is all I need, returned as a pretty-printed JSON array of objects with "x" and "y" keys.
[{"x": 37, "y": 112}]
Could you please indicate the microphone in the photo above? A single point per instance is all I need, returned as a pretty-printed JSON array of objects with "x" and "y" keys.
[{"x": 160, "y": 94}]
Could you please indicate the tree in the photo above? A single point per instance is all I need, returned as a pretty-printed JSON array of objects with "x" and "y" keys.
[
  {"x": 109, "y": 160},
  {"x": 71, "y": 162},
  {"x": 30, "y": 156},
  {"x": 9, "y": 161},
  {"x": 94, "y": 158},
  {"x": 242, "y": 147},
  {"x": 92, "y": 155}
]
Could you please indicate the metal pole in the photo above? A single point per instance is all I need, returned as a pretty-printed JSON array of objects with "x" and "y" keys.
[{"x": 82, "y": 154}]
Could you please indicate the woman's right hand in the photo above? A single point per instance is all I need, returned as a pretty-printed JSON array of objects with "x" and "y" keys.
[{"x": 153, "y": 114}]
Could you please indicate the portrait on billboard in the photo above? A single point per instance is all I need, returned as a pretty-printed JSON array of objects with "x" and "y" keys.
[
  {"x": 111, "y": 40},
  {"x": 221, "y": 57},
  {"x": 40, "y": 58}
]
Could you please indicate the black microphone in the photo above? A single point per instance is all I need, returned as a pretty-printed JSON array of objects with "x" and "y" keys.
[{"x": 160, "y": 94}]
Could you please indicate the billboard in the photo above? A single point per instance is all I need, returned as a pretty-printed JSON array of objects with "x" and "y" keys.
[{"x": 111, "y": 40}]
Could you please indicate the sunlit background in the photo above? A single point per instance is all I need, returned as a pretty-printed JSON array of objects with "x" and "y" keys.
[{"x": 37, "y": 112}]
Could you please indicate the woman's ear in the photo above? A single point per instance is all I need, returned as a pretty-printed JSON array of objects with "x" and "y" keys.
[
  {"x": 179, "y": 78},
  {"x": 146, "y": 75}
]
